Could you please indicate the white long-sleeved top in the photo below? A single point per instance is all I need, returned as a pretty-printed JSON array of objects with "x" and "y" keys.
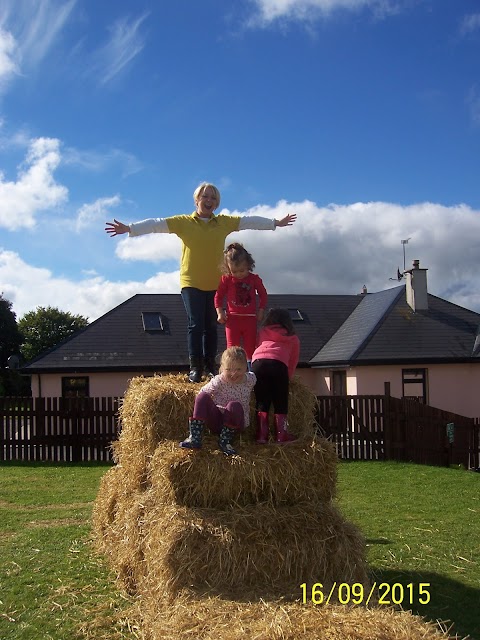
[
  {"x": 159, "y": 225},
  {"x": 203, "y": 242}
]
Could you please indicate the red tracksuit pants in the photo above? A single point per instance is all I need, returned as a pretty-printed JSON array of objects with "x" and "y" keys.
[{"x": 241, "y": 331}]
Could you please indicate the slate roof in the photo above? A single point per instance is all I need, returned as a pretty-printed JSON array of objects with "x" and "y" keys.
[
  {"x": 398, "y": 335},
  {"x": 117, "y": 341},
  {"x": 358, "y": 327},
  {"x": 335, "y": 330}
]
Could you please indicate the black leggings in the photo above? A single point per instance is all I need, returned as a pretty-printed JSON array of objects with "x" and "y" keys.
[{"x": 272, "y": 385}]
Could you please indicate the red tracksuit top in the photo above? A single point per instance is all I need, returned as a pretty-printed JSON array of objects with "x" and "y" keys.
[{"x": 241, "y": 294}]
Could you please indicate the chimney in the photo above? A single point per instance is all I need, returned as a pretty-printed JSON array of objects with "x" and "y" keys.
[{"x": 417, "y": 292}]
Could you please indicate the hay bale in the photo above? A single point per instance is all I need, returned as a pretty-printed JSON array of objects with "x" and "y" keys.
[
  {"x": 250, "y": 552},
  {"x": 104, "y": 508},
  {"x": 179, "y": 527},
  {"x": 153, "y": 409},
  {"x": 116, "y": 522},
  {"x": 304, "y": 471},
  {"x": 210, "y": 618},
  {"x": 157, "y": 409}
]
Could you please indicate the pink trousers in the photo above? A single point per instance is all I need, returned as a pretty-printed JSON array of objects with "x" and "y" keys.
[{"x": 216, "y": 417}]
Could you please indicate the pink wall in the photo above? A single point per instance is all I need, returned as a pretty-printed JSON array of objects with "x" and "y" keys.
[
  {"x": 450, "y": 387},
  {"x": 100, "y": 384},
  {"x": 318, "y": 383}
]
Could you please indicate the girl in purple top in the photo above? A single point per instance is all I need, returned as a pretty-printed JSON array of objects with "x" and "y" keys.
[{"x": 223, "y": 404}]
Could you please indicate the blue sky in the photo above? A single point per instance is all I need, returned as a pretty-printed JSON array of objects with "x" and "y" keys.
[{"x": 361, "y": 116}]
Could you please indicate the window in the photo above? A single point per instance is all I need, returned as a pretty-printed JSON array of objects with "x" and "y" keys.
[
  {"x": 414, "y": 385},
  {"x": 339, "y": 383},
  {"x": 75, "y": 387},
  {"x": 295, "y": 315},
  {"x": 152, "y": 321}
]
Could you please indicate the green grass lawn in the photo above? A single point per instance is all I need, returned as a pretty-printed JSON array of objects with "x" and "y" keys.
[
  {"x": 421, "y": 525},
  {"x": 52, "y": 586}
]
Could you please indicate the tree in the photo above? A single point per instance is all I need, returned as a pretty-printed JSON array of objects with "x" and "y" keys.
[
  {"x": 10, "y": 341},
  {"x": 10, "y": 336},
  {"x": 45, "y": 328}
]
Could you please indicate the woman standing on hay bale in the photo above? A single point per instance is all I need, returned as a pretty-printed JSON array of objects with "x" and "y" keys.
[
  {"x": 240, "y": 286},
  {"x": 223, "y": 404},
  {"x": 203, "y": 239},
  {"x": 274, "y": 362}
]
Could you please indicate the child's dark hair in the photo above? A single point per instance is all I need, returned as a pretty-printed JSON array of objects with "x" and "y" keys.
[
  {"x": 236, "y": 253},
  {"x": 280, "y": 317}
]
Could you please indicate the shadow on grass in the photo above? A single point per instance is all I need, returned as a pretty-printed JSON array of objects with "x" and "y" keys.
[{"x": 449, "y": 599}]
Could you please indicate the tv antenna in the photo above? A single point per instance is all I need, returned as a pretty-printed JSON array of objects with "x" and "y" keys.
[
  {"x": 404, "y": 242},
  {"x": 401, "y": 274}
]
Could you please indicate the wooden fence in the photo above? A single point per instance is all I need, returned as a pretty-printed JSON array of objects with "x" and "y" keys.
[
  {"x": 362, "y": 427},
  {"x": 387, "y": 428},
  {"x": 58, "y": 429}
]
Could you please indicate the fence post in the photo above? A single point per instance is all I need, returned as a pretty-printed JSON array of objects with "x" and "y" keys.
[
  {"x": 387, "y": 423},
  {"x": 38, "y": 424}
]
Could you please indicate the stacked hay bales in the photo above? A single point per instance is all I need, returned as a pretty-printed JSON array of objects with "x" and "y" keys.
[
  {"x": 202, "y": 530},
  {"x": 259, "y": 524}
]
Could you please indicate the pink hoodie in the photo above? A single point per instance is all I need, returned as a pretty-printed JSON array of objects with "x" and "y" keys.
[{"x": 275, "y": 344}]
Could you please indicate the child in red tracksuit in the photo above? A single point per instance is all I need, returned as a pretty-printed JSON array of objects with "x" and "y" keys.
[
  {"x": 240, "y": 288},
  {"x": 274, "y": 362}
]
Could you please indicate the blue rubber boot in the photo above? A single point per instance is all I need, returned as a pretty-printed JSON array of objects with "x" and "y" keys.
[
  {"x": 225, "y": 441},
  {"x": 194, "y": 440}
]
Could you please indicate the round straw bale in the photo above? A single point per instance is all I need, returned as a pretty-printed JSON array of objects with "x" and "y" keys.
[
  {"x": 255, "y": 551},
  {"x": 304, "y": 471},
  {"x": 209, "y": 618}
]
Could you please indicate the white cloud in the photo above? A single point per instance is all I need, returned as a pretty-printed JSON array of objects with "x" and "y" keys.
[
  {"x": 29, "y": 287},
  {"x": 470, "y": 23},
  {"x": 97, "y": 161},
  {"x": 158, "y": 247},
  {"x": 89, "y": 214},
  {"x": 35, "y": 26},
  {"x": 8, "y": 64},
  {"x": 268, "y": 11},
  {"x": 329, "y": 250},
  {"x": 473, "y": 104},
  {"x": 35, "y": 189},
  {"x": 124, "y": 44},
  {"x": 337, "y": 249}
]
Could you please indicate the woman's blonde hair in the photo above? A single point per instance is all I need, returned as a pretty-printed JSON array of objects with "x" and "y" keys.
[
  {"x": 233, "y": 354},
  {"x": 201, "y": 188}
]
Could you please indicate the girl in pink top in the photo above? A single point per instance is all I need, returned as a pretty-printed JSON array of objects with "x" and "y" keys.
[
  {"x": 240, "y": 288},
  {"x": 274, "y": 362}
]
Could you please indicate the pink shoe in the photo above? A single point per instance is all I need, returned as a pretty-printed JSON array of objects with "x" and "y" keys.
[
  {"x": 262, "y": 427},
  {"x": 283, "y": 437}
]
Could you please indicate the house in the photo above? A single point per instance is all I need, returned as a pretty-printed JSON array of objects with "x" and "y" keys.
[{"x": 423, "y": 346}]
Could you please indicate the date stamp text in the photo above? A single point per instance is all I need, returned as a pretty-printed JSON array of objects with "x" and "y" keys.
[{"x": 381, "y": 593}]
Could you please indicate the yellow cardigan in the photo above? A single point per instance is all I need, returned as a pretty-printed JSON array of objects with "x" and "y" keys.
[{"x": 202, "y": 247}]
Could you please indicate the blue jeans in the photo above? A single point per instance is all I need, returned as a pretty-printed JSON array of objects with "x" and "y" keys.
[{"x": 202, "y": 323}]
